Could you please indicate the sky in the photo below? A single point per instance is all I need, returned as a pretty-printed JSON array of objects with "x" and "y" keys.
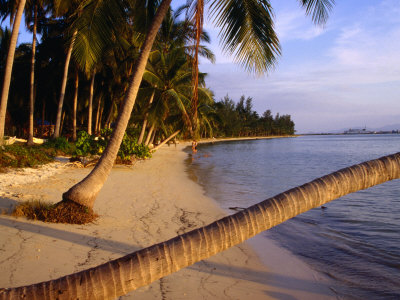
[{"x": 343, "y": 75}]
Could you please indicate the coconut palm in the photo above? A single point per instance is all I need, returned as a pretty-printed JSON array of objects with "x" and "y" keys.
[
  {"x": 8, "y": 67},
  {"x": 32, "y": 81},
  {"x": 63, "y": 86},
  {"x": 246, "y": 31},
  {"x": 118, "y": 277},
  {"x": 168, "y": 68},
  {"x": 33, "y": 7}
]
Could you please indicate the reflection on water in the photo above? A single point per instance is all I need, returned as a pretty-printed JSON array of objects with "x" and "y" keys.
[{"x": 355, "y": 241}]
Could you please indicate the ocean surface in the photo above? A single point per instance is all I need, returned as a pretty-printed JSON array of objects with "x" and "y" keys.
[{"x": 355, "y": 241}]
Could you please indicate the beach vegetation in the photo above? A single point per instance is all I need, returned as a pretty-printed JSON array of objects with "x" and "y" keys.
[
  {"x": 20, "y": 156},
  {"x": 62, "y": 212},
  {"x": 91, "y": 145},
  {"x": 60, "y": 145}
]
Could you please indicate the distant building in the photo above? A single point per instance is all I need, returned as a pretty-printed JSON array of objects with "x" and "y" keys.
[{"x": 358, "y": 131}]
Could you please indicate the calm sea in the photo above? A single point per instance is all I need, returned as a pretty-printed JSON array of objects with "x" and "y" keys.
[{"x": 355, "y": 240}]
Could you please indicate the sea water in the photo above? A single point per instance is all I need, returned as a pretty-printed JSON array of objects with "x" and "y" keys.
[{"x": 355, "y": 240}]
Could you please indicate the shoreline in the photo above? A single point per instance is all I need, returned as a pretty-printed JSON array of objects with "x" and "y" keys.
[{"x": 151, "y": 202}]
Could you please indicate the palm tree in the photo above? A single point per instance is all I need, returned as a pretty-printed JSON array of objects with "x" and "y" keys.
[
  {"x": 247, "y": 32},
  {"x": 118, "y": 277},
  {"x": 32, "y": 81},
  {"x": 8, "y": 68},
  {"x": 90, "y": 108},
  {"x": 169, "y": 74},
  {"x": 68, "y": 10},
  {"x": 34, "y": 5},
  {"x": 63, "y": 86}
]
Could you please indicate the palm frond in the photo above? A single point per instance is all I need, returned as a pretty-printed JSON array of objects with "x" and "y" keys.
[
  {"x": 318, "y": 9},
  {"x": 152, "y": 79},
  {"x": 247, "y": 32},
  {"x": 205, "y": 52},
  {"x": 96, "y": 26}
]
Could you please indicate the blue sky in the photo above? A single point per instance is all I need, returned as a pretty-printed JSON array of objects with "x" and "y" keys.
[
  {"x": 343, "y": 75},
  {"x": 346, "y": 74}
]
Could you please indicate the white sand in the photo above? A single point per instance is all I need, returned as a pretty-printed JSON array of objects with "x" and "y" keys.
[{"x": 139, "y": 206}]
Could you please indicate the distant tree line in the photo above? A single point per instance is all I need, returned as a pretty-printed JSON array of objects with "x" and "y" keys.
[{"x": 240, "y": 120}]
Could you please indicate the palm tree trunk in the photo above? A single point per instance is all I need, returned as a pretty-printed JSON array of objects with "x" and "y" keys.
[
  {"x": 75, "y": 105},
  {"x": 120, "y": 276},
  {"x": 43, "y": 116},
  {"x": 32, "y": 83},
  {"x": 149, "y": 134},
  {"x": 96, "y": 124},
  {"x": 90, "y": 110},
  {"x": 141, "y": 136},
  {"x": 63, "y": 86},
  {"x": 153, "y": 136},
  {"x": 166, "y": 140},
  {"x": 85, "y": 192},
  {"x": 108, "y": 120},
  {"x": 100, "y": 118},
  {"x": 8, "y": 68},
  {"x": 62, "y": 121}
]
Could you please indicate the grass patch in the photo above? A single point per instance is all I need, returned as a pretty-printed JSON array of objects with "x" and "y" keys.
[
  {"x": 61, "y": 212},
  {"x": 21, "y": 156}
]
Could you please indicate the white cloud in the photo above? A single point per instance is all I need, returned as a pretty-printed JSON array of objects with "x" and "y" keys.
[{"x": 294, "y": 25}]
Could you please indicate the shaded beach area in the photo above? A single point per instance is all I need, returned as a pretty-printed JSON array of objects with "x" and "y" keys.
[{"x": 141, "y": 205}]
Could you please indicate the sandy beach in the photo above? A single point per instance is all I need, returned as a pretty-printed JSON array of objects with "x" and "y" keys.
[{"x": 141, "y": 205}]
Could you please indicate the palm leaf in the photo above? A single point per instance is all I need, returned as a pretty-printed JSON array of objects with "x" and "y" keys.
[
  {"x": 319, "y": 9},
  {"x": 97, "y": 26},
  {"x": 152, "y": 79},
  {"x": 247, "y": 32}
]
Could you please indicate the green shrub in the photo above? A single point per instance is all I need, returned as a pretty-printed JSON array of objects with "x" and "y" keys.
[
  {"x": 60, "y": 143},
  {"x": 129, "y": 148},
  {"x": 83, "y": 144},
  {"x": 142, "y": 151},
  {"x": 22, "y": 156}
]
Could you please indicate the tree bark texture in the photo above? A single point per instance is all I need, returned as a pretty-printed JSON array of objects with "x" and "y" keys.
[
  {"x": 100, "y": 118},
  {"x": 75, "y": 104},
  {"x": 118, "y": 277},
  {"x": 149, "y": 134},
  {"x": 32, "y": 83},
  {"x": 153, "y": 136},
  {"x": 62, "y": 121},
  {"x": 63, "y": 86},
  {"x": 96, "y": 123},
  {"x": 90, "y": 109},
  {"x": 85, "y": 192},
  {"x": 8, "y": 68}
]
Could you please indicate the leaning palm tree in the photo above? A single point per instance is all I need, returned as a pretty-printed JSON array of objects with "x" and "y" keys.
[
  {"x": 247, "y": 32},
  {"x": 118, "y": 277},
  {"x": 8, "y": 68}
]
